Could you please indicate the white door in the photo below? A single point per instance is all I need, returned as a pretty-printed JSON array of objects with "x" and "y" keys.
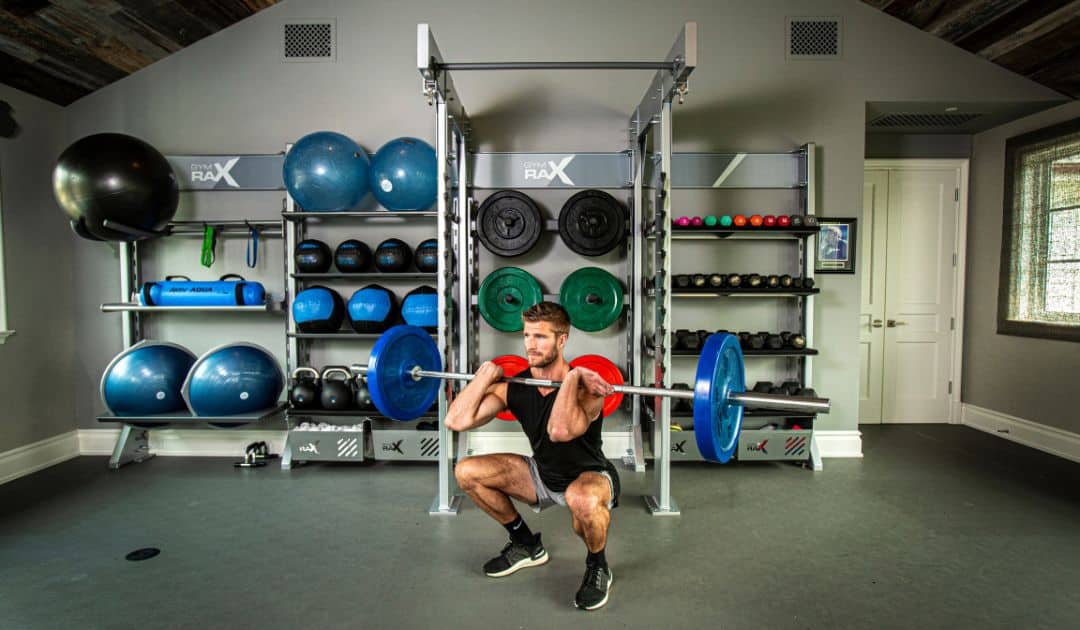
[
  {"x": 871, "y": 245},
  {"x": 919, "y": 284}
]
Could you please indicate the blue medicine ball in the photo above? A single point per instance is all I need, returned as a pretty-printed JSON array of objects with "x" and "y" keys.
[
  {"x": 404, "y": 175},
  {"x": 318, "y": 310},
  {"x": 373, "y": 309},
  {"x": 326, "y": 172},
  {"x": 233, "y": 379},
  {"x": 421, "y": 308},
  {"x": 146, "y": 379},
  {"x": 426, "y": 256}
]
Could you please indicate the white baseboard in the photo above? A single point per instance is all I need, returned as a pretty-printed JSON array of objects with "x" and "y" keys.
[
  {"x": 185, "y": 443},
  {"x": 31, "y": 458},
  {"x": 1047, "y": 439},
  {"x": 835, "y": 444}
]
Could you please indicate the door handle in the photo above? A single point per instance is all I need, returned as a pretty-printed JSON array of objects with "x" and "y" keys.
[
  {"x": 892, "y": 323},
  {"x": 876, "y": 323}
]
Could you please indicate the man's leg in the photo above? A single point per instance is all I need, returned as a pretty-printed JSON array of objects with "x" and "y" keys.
[
  {"x": 491, "y": 481},
  {"x": 588, "y": 498}
]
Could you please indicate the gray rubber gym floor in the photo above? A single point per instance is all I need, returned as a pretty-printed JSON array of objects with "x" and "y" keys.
[{"x": 939, "y": 526}]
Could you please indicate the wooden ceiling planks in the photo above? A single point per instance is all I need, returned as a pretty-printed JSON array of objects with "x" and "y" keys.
[{"x": 61, "y": 50}]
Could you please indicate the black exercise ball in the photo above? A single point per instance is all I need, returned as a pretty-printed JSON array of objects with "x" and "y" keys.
[
  {"x": 427, "y": 256},
  {"x": 312, "y": 256},
  {"x": 393, "y": 256},
  {"x": 352, "y": 256},
  {"x": 117, "y": 178}
]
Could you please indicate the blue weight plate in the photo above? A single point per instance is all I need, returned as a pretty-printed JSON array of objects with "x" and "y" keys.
[
  {"x": 389, "y": 377},
  {"x": 716, "y": 421}
]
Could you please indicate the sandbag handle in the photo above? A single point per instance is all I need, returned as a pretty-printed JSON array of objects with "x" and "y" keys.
[
  {"x": 168, "y": 278},
  {"x": 233, "y": 275}
]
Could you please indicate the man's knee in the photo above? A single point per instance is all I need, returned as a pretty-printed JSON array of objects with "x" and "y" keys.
[
  {"x": 584, "y": 502},
  {"x": 467, "y": 472}
]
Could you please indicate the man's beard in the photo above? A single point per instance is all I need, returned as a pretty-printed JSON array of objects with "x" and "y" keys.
[{"x": 543, "y": 361}]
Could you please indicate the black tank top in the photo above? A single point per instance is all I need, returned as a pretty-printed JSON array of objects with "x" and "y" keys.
[{"x": 559, "y": 463}]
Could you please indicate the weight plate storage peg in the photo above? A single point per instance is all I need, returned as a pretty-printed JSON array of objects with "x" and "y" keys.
[
  {"x": 509, "y": 223},
  {"x": 593, "y": 223},
  {"x": 592, "y": 297},
  {"x": 504, "y": 294}
]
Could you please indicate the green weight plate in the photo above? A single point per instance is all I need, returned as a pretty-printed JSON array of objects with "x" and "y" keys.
[
  {"x": 593, "y": 298},
  {"x": 504, "y": 294}
]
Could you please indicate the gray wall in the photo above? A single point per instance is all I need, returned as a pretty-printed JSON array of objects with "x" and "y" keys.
[
  {"x": 1030, "y": 378},
  {"x": 36, "y": 362},
  {"x": 885, "y": 146},
  {"x": 230, "y": 93}
]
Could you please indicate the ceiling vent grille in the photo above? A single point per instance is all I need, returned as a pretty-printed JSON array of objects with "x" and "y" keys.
[
  {"x": 313, "y": 40},
  {"x": 936, "y": 121},
  {"x": 813, "y": 37}
]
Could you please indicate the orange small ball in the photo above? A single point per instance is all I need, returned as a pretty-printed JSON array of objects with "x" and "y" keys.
[
  {"x": 756, "y": 220},
  {"x": 739, "y": 220}
]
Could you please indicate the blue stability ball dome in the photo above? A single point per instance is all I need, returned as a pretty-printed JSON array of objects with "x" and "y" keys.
[
  {"x": 403, "y": 175},
  {"x": 233, "y": 379},
  {"x": 146, "y": 379},
  {"x": 326, "y": 172}
]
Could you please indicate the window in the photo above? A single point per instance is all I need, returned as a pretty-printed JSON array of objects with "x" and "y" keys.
[{"x": 1039, "y": 292}]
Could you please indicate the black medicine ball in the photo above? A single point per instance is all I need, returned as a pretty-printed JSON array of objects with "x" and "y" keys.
[
  {"x": 312, "y": 256},
  {"x": 393, "y": 256},
  {"x": 427, "y": 256},
  {"x": 352, "y": 256}
]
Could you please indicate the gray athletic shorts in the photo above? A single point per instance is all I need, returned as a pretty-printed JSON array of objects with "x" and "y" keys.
[{"x": 546, "y": 497}]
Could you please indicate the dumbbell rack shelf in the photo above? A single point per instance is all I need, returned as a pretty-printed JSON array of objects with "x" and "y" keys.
[
  {"x": 750, "y": 412},
  {"x": 741, "y": 293},
  {"x": 757, "y": 233},
  {"x": 365, "y": 276},
  {"x": 764, "y": 352}
]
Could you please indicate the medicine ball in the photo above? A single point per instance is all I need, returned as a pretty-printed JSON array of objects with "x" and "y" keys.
[
  {"x": 326, "y": 172},
  {"x": 352, "y": 256},
  {"x": 146, "y": 379},
  {"x": 373, "y": 309},
  {"x": 393, "y": 256},
  {"x": 117, "y": 178},
  {"x": 312, "y": 256},
  {"x": 421, "y": 308},
  {"x": 318, "y": 310},
  {"x": 233, "y": 379},
  {"x": 426, "y": 256},
  {"x": 404, "y": 175}
]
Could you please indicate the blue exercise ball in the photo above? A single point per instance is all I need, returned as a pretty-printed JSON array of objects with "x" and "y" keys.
[
  {"x": 404, "y": 175},
  {"x": 233, "y": 379},
  {"x": 326, "y": 172},
  {"x": 146, "y": 379}
]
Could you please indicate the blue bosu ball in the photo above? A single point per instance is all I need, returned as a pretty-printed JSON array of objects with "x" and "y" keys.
[
  {"x": 233, "y": 379},
  {"x": 146, "y": 379},
  {"x": 404, "y": 175},
  {"x": 326, "y": 172}
]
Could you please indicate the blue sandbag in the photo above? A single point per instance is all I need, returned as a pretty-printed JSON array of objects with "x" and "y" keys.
[{"x": 222, "y": 292}]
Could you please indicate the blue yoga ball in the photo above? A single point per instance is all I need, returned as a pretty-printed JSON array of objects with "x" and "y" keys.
[
  {"x": 146, "y": 379},
  {"x": 326, "y": 172},
  {"x": 233, "y": 379},
  {"x": 404, "y": 175}
]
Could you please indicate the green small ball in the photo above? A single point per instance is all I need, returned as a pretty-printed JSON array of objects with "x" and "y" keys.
[{"x": 725, "y": 220}]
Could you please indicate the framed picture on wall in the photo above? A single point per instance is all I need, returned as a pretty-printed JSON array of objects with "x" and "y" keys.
[{"x": 835, "y": 246}]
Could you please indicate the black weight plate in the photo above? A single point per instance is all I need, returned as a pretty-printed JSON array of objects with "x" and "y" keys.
[
  {"x": 592, "y": 223},
  {"x": 509, "y": 223}
]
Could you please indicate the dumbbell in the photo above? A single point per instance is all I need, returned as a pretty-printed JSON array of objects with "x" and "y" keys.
[
  {"x": 790, "y": 387},
  {"x": 744, "y": 339},
  {"x": 756, "y": 220},
  {"x": 754, "y": 281},
  {"x": 797, "y": 341},
  {"x": 682, "y": 221},
  {"x": 682, "y": 281},
  {"x": 786, "y": 281},
  {"x": 774, "y": 342},
  {"x": 717, "y": 280},
  {"x": 678, "y": 339},
  {"x": 772, "y": 281},
  {"x": 783, "y": 221},
  {"x": 769, "y": 220},
  {"x": 681, "y": 404},
  {"x": 711, "y": 221},
  {"x": 702, "y": 335},
  {"x": 796, "y": 221},
  {"x": 807, "y": 283},
  {"x": 698, "y": 280},
  {"x": 763, "y": 387},
  {"x": 739, "y": 220},
  {"x": 757, "y": 341},
  {"x": 734, "y": 281},
  {"x": 810, "y": 221},
  {"x": 807, "y": 391},
  {"x": 696, "y": 222}
]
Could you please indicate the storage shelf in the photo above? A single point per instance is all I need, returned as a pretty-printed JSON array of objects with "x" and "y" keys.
[
  {"x": 367, "y": 275},
  {"x": 375, "y": 214},
  {"x": 186, "y": 417},
  {"x": 698, "y": 293},
  {"x": 337, "y": 335},
  {"x": 744, "y": 233},
  {"x": 754, "y": 413},
  {"x": 353, "y": 413},
  {"x": 764, "y": 352},
  {"x": 118, "y": 307}
]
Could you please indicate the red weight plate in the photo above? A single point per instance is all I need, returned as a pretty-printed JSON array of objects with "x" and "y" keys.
[
  {"x": 511, "y": 365},
  {"x": 608, "y": 371}
]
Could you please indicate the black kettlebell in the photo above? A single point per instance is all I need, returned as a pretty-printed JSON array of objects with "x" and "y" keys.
[
  {"x": 361, "y": 395},
  {"x": 304, "y": 393},
  {"x": 336, "y": 394}
]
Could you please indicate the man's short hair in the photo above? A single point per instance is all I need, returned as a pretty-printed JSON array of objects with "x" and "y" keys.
[{"x": 551, "y": 313}]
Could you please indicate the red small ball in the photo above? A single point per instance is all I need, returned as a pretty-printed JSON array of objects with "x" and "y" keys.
[{"x": 769, "y": 220}]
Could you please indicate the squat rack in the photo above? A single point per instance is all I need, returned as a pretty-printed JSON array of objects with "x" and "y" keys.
[{"x": 455, "y": 204}]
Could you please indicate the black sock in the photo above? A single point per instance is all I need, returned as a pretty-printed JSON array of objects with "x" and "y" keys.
[
  {"x": 596, "y": 559},
  {"x": 520, "y": 532}
]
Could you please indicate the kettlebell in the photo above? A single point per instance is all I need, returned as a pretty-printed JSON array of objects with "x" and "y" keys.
[
  {"x": 304, "y": 393},
  {"x": 336, "y": 394},
  {"x": 361, "y": 395}
]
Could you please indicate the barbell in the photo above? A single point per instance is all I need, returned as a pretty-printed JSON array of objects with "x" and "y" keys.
[{"x": 404, "y": 371}]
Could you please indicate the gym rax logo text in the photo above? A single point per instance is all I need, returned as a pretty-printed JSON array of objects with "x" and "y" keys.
[
  {"x": 215, "y": 172},
  {"x": 759, "y": 447},
  {"x": 309, "y": 448},
  {"x": 549, "y": 170},
  {"x": 393, "y": 446}
]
